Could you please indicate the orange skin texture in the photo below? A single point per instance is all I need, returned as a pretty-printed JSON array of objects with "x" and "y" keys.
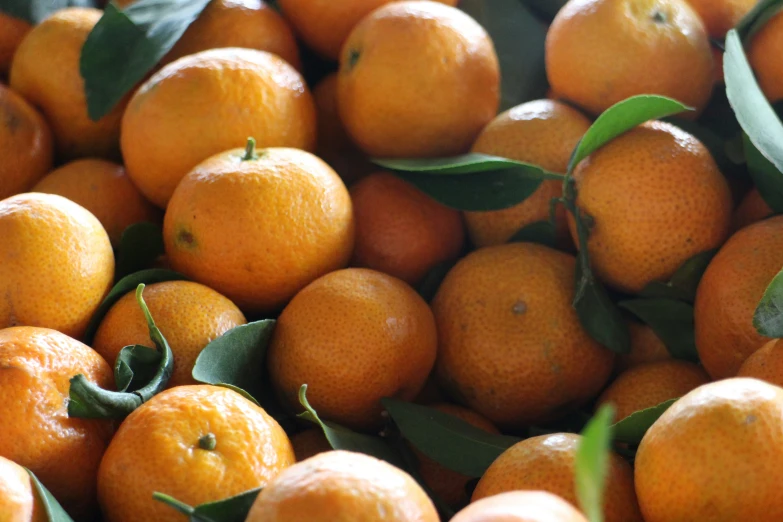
[
  {"x": 417, "y": 79},
  {"x": 721, "y": 15},
  {"x": 751, "y": 209},
  {"x": 64, "y": 452},
  {"x": 547, "y": 463},
  {"x": 764, "y": 56},
  {"x": 309, "y": 443},
  {"x": 520, "y": 506},
  {"x": 646, "y": 347},
  {"x": 765, "y": 364},
  {"x": 103, "y": 188},
  {"x": 189, "y": 316},
  {"x": 353, "y": 336},
  {"x": 448, "y": 485},
  {"x": 510, "y": 343},
  {"x": 25, "y": 144},
  {"x": 543, "y": 133},
  {"x": 18, "y": 500},
  {"x": 251, "y": 24},
  {"x": 342, "y": 486},
  {"x": 324, "y": 25},
  {"x": 651, "y": 384},
  {"x": 715, "y": 455},
  {"x": 56, "y": 263},
  {"x": 208, "y": 103},
  {"x": 259, "y": 231},
  {"x": 12, "y": 31},
  {"x": 45, "y": 71},
  {"x": 400, "y": 230},
  {"x": 600, "y": 52},
  {"x": 157, "y": 447},
  {"x": 729, "y": 293},
  {"x": 653, "y": 170}
]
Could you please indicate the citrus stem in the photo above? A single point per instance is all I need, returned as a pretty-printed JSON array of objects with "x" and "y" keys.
[
  {"x": 207, "y": 442},
  {"x": 174, "y": 503},
  {"x": 250, "y": 150}
]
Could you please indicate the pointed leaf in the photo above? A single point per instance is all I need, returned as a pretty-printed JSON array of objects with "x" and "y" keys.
[
  {"x": 232, "y": 509},
  {"x": 685, "y": 280},
  {"x": 631, "y": 429},
  {"x": 541, "y": 232},
  {"x": 140, "y": 245},
  {"x": 35, "y": 11},
  {"x": 592, "y": 464},
  {"x": 767, "y": 178},
  {"x": 54, "y": 511},
  {"x": 135, "y": 367},
  {"x": 597, "y": 313},
  {"x": 757, "y": 17},
  {"x": 768, "y": 318},
  {"x": 671, "y": 320}
]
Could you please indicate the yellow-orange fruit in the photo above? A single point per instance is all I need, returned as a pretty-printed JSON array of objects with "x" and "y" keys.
[
  {"x": 520, "y": 506},
  {"x": 646, "y": 347},
  {"x": 752, "y": 209},
  {"x": 765, "y": 364},
  {"x": 18, "y": 499},
  {"x": 309, "y": 443},
  {"x": 764, "y": 56},
  {"x": 721, "y": 15},
  {"x": 12, "y": 31}
]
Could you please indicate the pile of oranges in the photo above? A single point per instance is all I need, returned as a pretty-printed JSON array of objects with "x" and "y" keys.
[{"x": 258, "y": 175}]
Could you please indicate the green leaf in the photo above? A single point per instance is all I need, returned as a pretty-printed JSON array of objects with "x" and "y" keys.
[
  {"x": 232, "y": 509},
  {"x": 122, "y": 287},
  {"x": 140, "y": 245},
  {"x": 622, "y": 117},
  {"x": 767, "y": 178},
  {"x": 446, "y": 439},
  {"x": 136, "y": 366},
  {"x": 35, "y": 11},
  {"x": 341, "y": 438},
  {"x": 541, "y": 232},
  {"x": 685, "y": 280},
  {"x": 236, "y": 358},
  {"x": 632, "y": 428},
  {"x": 471, "y": 182},
  {"x": 597, "y": 313},
  {"x": 592, "y": 463},
  {"x": 672, "y": 322},
  {"x": 757, "y": 17},
  {"x": 768, "y": 318},
  {"x": 54, "y": 511},
  {"x": 433, "y": 279},
  {"x": 125, "y": 45},
  {"x": 519, "y": 42}
]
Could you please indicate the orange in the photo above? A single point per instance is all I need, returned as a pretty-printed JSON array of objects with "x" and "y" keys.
[
  {"x": 646, "y": 347},
  {"x": 729, "y": 293},
  {"x": 259, "y": 229},
  {"x": 510, "y": 343},
  {"x": 342, "y": 486},
  {"x": 189, "y": 315},
  {"x": 170, "y": 126},
  {"x": 721, "y": 15},
  {"x": 18, "y": 499},
  {"x": 766, "y": 364},
  {"x": 103, "y": 188},
  {"x": 12, "y": 31},
  {"x": 180, "y": 443},
  {"x": 600, "y": 52},
  {"x": 354, "y": 337},
  {"x": 25, "y": 144},
  {"x": 56, "y": 263},
  {"x": 417, "y": 79},
  {"x": 547, "y": 463},
  {"x": 543, "y": 133},
  {"x": 63, "y": 452},
  {"x": 656, "y": 170},
  {"x": 764, "y": 54},
  {"x": 520, "y": 506},
  {"x": 448, "y": 485},
  {"x": 252, "y": 24},
  {"x": 400, "y": 230},
  {"x": 309, "y": 443},
  {"x": 715, "y": 455},
  {"x": 46, "y": 72},
  {"x": 324, "y": 25},
  {"x": 751, "y": 209},
  {"x": 651, "y": 384}
]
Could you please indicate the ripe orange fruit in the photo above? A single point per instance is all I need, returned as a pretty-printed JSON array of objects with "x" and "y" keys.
[
  {"x": 729, "y": 293},
  {"x": 646, "y": 347},
  {"x": 170, "y": 126},
  {"x": 291, "y": 211},
  {"x": 45, "y": 71},
  {"x": 721, "y": 15},
  {"x": 251, "y": 24},
  {"x": 103, "y": 188},
  {"x": 400, "y": 230},
  {"x": 12, "y": 31},
  {"x": 751, "y": 209},
  {"x": 324, "y": 25},
  {"x": 63, "y": 452},
  {"x": 56, "y": 263},
  {"x": 417, "y": 79},
  {"x": 651, "y": 384},
  {"x": 656, "y": 170},
  {"x": 342, "y": 486},
  {"x": 764, "y": 55},
  {"x": 18, "y": 499},
  {"x": 715, "y": 455},
  {"x": 547, "y": 463},
  {"x": 600, "y": 52},
  {"x": 188, "y": 314},
  {"x": 178, "y": 442},
  {"x": 766, "y": 364},
  {"x": 25, "y": 144},
  {"x": 309, "y": 442},
  {"x": 354, "y": 336},
  {"x": 510, "y": 343},
  {"x": 520, "y": 506},
  {"x": 541, "y": 132},
  {"x": 448, "y": 485}
]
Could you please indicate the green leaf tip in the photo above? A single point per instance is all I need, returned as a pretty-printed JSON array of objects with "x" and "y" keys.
[
  {"x": 632, "y": 428},
  {"x": 592, "y": 463},
  {"x": 54, "y": 511}
]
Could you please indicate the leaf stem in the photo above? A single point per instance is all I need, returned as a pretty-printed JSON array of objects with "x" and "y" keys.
[{"x": 174, "y": 503}]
